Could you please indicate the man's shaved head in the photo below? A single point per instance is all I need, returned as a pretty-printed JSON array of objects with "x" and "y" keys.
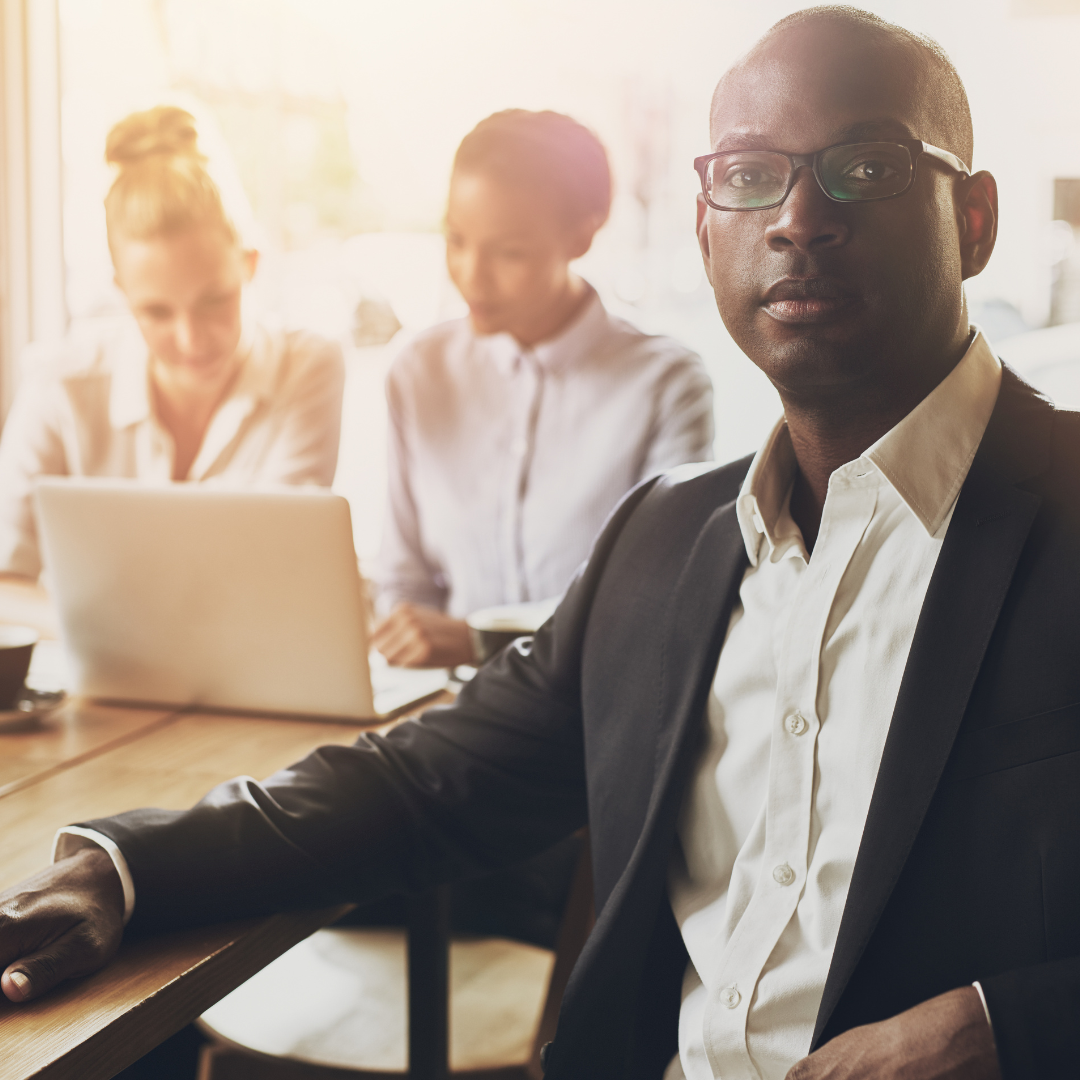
[
  {"x": 857, "y": 302},
  {"x": 943, "y": 100}
]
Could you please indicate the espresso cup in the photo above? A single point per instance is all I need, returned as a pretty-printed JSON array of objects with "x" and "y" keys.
[
  {"x": 493, "y": 628},
  {"x": 16, "y": 647}
]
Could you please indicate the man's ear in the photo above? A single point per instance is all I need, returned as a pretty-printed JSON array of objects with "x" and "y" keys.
[
  {"x": 977, "y": 218},
  {"x": 703, "y": 234},
  {"x": 251, "y": 263}
]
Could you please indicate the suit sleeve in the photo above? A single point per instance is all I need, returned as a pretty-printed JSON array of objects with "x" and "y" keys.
[
  {"x": 684, "y": 429},
  {"x": 486, "y": 782}
]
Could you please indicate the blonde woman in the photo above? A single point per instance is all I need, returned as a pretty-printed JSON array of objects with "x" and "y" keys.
[{"x": 187, "y": 389}]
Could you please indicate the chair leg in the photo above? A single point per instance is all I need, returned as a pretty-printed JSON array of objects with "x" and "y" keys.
[
  {"x": 577, "y": 924},
  {"x": 429, "y": 985}
]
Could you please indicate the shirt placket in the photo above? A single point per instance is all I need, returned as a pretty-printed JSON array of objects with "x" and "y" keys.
[
  {"x": 154, "y": 452},
  {"x": 528, "y": 379},
  {"x": 849, "y": 508}
]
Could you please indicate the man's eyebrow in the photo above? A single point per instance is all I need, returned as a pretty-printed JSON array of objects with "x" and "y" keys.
[
  {"x": 867, "y": 130},
  {"x": 743, "y": 140},
  {"x": 863, "y": 131}
]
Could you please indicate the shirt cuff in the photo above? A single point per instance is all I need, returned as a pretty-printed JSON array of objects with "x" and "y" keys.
[
  {"x": 986, "y": 1008},
  {"x": 70, "y": 839}
]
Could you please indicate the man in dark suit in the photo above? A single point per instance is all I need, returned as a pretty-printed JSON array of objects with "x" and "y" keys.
[{"x": 821, "y": 712}]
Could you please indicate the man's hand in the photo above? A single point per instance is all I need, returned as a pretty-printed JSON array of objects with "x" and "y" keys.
[
  {"x": 64, "y": 922},
  {"x": 415, "y": 636},
  {"x": 945, "y": 1038}
]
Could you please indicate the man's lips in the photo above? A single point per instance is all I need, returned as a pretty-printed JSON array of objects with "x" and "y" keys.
[{"x": 806, "y": 300}]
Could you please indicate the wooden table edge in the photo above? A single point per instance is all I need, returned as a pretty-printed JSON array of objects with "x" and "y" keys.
[{"x": 132, "y": 1032}]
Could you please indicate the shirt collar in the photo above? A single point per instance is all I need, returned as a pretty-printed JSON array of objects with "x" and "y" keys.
[
  {"x": 586, "y": 329},
  {"x": 129, "y": 395},
  {"x": 925, "y": 458},
  {"x": 129, "y": 389}
]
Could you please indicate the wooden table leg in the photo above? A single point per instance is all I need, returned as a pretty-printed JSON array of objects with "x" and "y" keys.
[{"x": 429, "y": 984}]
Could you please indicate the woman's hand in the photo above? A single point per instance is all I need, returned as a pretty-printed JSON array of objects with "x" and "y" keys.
[
  {"x": 63, "y": 922},
  {"x": 945, "y": 1038},
  {"x": 415, "y": 636}
]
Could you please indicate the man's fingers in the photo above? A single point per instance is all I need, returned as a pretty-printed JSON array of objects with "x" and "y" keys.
[
  {"x": 16, "y": 985},
  {"x": 79, "y": 952},
  {"x": 35, "y": 975}
]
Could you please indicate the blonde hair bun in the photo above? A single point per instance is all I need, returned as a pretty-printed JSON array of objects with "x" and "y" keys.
[
  {"x": 162, "y": 186},
  {"x": 164, "y": 130}
]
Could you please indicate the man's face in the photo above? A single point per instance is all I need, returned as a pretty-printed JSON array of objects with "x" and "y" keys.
[{"x": 824, "y": 295}]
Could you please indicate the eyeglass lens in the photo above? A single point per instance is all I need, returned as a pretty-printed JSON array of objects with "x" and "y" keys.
[{"x": 756, "y": 179}]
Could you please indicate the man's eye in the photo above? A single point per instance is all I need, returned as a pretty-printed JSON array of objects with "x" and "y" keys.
[
  {"x": 871, "y": 171},
  {"x": 747, "y": 177}
]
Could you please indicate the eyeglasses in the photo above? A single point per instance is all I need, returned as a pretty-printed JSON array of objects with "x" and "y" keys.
[{"x": 847, "y": 172}]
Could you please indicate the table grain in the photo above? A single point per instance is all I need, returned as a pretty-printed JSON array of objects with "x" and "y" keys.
[{"x": 73, "y": 733}]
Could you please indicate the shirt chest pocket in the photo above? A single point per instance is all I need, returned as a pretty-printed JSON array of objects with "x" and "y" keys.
[{"x": 1020, "y": 742}]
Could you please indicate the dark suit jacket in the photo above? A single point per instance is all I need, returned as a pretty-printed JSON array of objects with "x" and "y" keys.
[{"x": 969, "y": 866}]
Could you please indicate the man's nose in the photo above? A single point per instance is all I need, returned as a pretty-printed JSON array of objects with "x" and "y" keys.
[{"x": 807, "y": 219}]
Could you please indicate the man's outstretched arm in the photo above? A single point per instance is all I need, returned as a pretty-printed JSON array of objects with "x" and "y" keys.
[{"x": 491, "y": 780}]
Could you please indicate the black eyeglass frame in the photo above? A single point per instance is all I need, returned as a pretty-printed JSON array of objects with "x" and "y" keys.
[{"x": 915, "y": 148}]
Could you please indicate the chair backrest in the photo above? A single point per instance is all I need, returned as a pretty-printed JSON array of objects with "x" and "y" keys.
[{"x": 429, "y": 972}]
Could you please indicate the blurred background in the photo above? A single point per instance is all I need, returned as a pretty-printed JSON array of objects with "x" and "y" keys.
[{"x": 331, "y": 125}]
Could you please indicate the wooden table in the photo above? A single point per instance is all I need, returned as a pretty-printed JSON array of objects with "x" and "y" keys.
[{"x": 89, "y": 761}]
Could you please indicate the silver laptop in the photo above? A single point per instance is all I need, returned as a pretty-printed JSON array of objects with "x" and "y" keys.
[{"x": 202, "y": 596}]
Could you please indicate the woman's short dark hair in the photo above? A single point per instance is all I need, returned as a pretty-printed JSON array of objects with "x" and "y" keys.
[{"x": 546, "y": 150}]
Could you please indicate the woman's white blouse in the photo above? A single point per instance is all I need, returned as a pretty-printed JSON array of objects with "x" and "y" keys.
[
  {"x": 84, "y": 409},
  {"x": 505, "y": 461}
]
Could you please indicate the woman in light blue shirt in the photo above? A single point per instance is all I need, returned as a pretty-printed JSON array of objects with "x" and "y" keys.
[{"x": 515, "y": 431}]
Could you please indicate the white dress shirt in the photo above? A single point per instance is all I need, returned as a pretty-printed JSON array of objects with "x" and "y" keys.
[
  {"x": 84, "y": 409},
  {"x": 797, "y": 719},
  {"x": 505, "y": 461}
]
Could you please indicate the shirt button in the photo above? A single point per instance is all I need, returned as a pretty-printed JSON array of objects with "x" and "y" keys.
[
  {"x": 730, "y": 997},
  {"x": 783, "y": 874},
  {"x": 796, "y": 724}
]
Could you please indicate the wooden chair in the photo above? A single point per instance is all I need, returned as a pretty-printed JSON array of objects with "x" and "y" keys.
[{"x": 385, "y": 1004}]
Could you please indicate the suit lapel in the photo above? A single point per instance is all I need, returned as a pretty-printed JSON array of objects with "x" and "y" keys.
[
  {"x": 973, "y": 574},
  {"x": 694, "y": 629},
  {"x": 605, "y": 988}
]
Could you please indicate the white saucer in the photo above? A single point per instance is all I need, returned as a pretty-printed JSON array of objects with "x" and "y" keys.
[{"x": 31, "y": 710}]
